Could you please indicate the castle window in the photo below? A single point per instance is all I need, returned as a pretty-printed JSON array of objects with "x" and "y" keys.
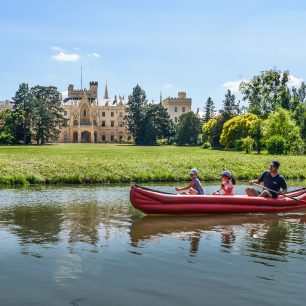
[
  {"x": 103, "y": 114},
  {"x": 65, "y": 113},
  {"x": 103, "y": 138},
  {"x": 84, "y": 112},
  {"x": 175, "y": 119},
  {"x": 75, "y": 122},
  {"x": 112, "y": 138},
  {"x": 183, "y": 109},
  {"x": 120, "y": 114},
  {"x": 112, "y": 123},
  {"x": 103, "y": 123},
  {"x": 120, "y": 124},
  {"x": 94, "y": 122},
  {"x": 175, "y": 109},
  {"x": 112, "y": 114}
]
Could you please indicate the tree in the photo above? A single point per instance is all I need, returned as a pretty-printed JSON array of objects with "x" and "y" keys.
[
  {"x": 281, "y": 124},
  {"x": 47, "y": 114},
  {"x": 135, "y": 113},
  {"x": 300, "y": 117},
  {"x": 11, "y": 124},
  {"x": 6, "y": 127},
  {"x": 247, "y": 144},
  {"x": 188, "y": 129},
  {"x": 212, "y": 130},
  {"x": 22, "y": 109},
  {"x": 156, "y": 125},
  {"x": 209, "y": 110},
  {"x": 230, "y": 107},
  {"x": 257, "y": 134},
  {"x": 237, "y": 128},
  {"x": 207, "y": 130},
  {"x": 266, "y": 92}
]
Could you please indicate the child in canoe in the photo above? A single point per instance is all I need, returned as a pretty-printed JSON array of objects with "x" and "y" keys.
[
  {"x": 227, "y": 186},
  {"x": 195, "y": 186}
]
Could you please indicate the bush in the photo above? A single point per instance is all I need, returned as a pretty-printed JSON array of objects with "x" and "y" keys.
[
  {"x": 161, "y": 142},
  {"x": 238, "y": 145},
  {"x": 247, "y": 144},
  {"x": 6, "y": 138},
  {"x": 206, "y": 145},
  {"x": 276, "y": 144},
  {"x": 238, "y": 127}
]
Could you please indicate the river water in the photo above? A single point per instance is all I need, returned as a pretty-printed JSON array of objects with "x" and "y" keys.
[{"x": 88, "y": 246}]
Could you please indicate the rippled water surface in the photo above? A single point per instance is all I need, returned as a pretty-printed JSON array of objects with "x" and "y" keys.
[{"x": 88, "y": 246}]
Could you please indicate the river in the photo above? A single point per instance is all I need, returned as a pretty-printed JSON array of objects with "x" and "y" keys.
[{"x": 88, "y": 246}]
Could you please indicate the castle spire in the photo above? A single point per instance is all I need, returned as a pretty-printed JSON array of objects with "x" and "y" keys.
[{"x": 106, "y": 93}]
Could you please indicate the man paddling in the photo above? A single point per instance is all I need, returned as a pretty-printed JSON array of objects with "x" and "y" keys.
[{"x": 272, "y": 180}]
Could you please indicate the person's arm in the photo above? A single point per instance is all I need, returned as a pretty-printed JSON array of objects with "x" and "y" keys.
[
  {"x": 185, "y": 188},
  {"x": 218, "y": 191},
  {"x": 259, "y": 180},
  {"x": 284, "y": 185}
]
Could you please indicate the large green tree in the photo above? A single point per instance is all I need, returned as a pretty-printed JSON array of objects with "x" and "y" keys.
[
  {"x": 280, "y": 124},
  {"x": 135, "y": 113},
  {"x": 47, "y": 114},
  {"x": 237, "y": 128},
  {"x": 156, "y": 125},
  {"x": 230, "y": 106},
  {"x": 188, "y": 129},
  {"x": 266, "y": 92},
  {"x": 209, "y": 110},
  {"x": 22, "y": 108},
  {"x": 300, "y": 117}
]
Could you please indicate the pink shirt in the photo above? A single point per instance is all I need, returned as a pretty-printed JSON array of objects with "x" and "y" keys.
[{"x": 228, "y": 189}]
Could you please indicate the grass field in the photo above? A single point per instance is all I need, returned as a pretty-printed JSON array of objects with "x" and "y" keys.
[{"x": 90, "y": 163}]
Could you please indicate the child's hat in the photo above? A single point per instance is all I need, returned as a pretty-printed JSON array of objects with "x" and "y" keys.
[
  {"x": 194, "y": 171},
  {"x": 226, "y": 173}
]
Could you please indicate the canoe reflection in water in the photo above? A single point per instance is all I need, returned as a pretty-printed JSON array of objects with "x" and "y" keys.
[{"x": 268, "y": 234}]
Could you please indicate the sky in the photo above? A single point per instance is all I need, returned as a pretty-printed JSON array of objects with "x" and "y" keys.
[{"x": 202, "y": 47}]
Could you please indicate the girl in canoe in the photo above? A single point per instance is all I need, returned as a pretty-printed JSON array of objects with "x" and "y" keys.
[
  {"x": 195, "y": 186},
  {"x": 227, "y": 186}
]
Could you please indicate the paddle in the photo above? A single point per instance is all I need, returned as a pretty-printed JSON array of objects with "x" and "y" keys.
[{"x": 285, "y": 195}]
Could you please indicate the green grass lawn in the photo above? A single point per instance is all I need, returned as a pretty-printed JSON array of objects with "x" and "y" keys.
[{"x": 90, "y": 163}]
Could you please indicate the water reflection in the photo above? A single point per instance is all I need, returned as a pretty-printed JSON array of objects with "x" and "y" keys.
[
  {"x": 262, "y": 234},
  {"x": 91, "y": 242}
]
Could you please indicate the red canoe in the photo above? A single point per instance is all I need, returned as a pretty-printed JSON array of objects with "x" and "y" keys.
[{"x": 151, "y": 201}]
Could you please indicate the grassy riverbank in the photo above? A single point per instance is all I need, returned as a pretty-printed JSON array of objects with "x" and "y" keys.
[{"x": 90, "y": 163}]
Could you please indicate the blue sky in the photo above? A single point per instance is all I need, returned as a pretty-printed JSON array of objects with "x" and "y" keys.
[{"x": 201, "y": 47}]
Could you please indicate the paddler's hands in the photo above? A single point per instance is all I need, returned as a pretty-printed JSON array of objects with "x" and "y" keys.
[{"x": 177, "y": 189}]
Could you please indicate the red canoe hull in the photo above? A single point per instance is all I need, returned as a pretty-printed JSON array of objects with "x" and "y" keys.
[{"x": 154, "y": 202}]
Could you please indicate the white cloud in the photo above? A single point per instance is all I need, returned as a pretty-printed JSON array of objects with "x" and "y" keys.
[
  {"x": 94, "y": 54},
  {"x": 294, "y": 81},
  {"x": 233, "y": 86},
  {"x": 55, "y": 48},
  {"x": 168, "y": 86},
  {"x": 66, "y": 57}
]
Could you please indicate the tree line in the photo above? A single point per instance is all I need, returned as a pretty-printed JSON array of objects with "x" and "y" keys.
[
  {"x": 275, "y": 118},
  {"x": 36, "y": 116}
]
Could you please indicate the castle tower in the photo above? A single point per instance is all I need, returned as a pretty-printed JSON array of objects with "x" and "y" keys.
[
  {"x": 93, "y": 90},
  {"x": 176, "y": 106}
]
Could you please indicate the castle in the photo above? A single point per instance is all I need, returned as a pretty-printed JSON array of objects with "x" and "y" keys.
[
  {"x": 93, "y": 121},
  {"x": 90, "y": 121}
]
